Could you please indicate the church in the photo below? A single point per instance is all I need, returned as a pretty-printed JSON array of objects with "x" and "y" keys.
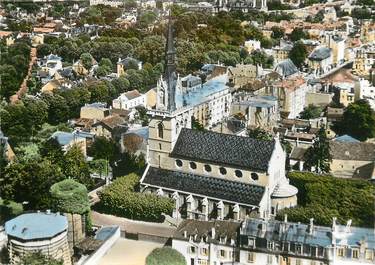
[{"x": 210, "y": 175}]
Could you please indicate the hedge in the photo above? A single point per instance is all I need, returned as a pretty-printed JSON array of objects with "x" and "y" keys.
[
  {"x": 69, "y": 196},
  {"x": 121, "y": 199},
  {"x": 322, "y": 197},
  {"x": 165, "y": 256}
]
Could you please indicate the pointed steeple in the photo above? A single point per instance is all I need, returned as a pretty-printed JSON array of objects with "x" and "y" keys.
[{"x": 170, "y": 62}]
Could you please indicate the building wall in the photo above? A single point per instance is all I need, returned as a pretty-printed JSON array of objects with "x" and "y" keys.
[
  {"x": 56, "y": 247},
  {"x": 346, "y": 168},
  {"x": 320, "y": 99},
  {"x": 88, "y": 112}
]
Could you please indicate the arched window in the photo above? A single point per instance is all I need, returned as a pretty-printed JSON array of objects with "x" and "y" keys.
[
  {"x": 193, "y": 165},
  {"x": 160, "y": 130},
  {"x": 254, "y": 176},
  {"x": 207, "y": 168},
  {"x": 179, "y": 163},
  {"x": 222, "y": 171},
  {"x": 238, "y": 173}
]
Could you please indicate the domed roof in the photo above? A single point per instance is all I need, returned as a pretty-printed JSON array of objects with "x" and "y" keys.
[{"x": 284, "y": 190}]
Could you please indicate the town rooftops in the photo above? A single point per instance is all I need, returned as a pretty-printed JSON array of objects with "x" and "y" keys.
[
  {"x": 292, "y": 83},
  {"x": 320, "y": 54},
  {"x": 346, "y": 138},
  {"x": 286, "y": 68},
  {"x": 205, "y": 186},
  {"x": 64, "y": 138},
  {"x": 321, "y": 236},
  {"x": 32, "y": 226},
  {"x": 218, "y": 148},
  {"x": 352, "y": 151},
  {"x": 211, "y": 231},
  {"x": 132, "y": 94}
]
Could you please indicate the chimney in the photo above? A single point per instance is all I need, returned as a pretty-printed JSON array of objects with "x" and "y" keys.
[
  {"x": 311, "y": 227},
  {"x": 285, "y": 218},
  {"x": 185, "y": 234},
  {"x": 348, "y": 224},
  {"x": 48, "y": 211},
  {"x": 213, "y": 232}
]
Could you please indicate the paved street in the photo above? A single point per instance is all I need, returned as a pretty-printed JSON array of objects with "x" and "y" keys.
[
  {"x": 128, "y": 252},
  {"x": 131, "y": 226}
]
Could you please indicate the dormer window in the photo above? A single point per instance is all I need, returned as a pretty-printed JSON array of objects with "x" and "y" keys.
[
  {"x": 270, "y": 245},
  {"x": 207, "y": 168},
  {"x": 223, "y": 239},
  {"x": 179, "y": 163},
  {"x": 238, "y": 173}
]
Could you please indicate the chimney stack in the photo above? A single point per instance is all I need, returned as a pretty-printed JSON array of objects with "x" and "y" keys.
[
  {"x": 311, "y": 227},
  {"x": 213, "y": 232},
  {"x": 285, "y": 218},
  {"x": 334, "y": 225}
]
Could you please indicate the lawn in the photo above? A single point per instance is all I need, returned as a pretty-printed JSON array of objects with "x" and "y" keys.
[
  {"x": 8, "y": 210},
  {"x": 324, "y": 197}
]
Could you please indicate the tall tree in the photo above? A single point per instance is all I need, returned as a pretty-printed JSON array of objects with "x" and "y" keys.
[
  {"x": 318, "y": 155},
  {"x": 298, "y": 54},
  {"x": 358, "y": 121}
]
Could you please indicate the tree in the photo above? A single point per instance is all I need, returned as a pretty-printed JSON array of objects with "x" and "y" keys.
[
  {"x": 311, "y": 112},
  {"x": 358, "y": 121},
  {"x": 277, "y": 32},
  {"x": 165, "y": 256},
  {"x": 30, "y": 181},
  {"x": 86, "y": 60},
  {"x": 318, "y": 155},
  {"x": 38, "y": 258},
  {"x": 298, "y": 54},
  {"x": 298, "y": 34},
  {"x": 9, "y": 80},
  {"x": 102, "y": 148},
  {"x": 75, "y": 166},
  {"x": 259, "y": 134}
]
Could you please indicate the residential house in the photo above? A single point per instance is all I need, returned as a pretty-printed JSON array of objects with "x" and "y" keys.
[
  {"x": 129, "y": 100},
  {"x": 281, "y": 52},
  {"x": 352, "y": 159},
  {"x": 110, "y": 127},
  {"x": 291, "y": 94},
  {"x": 364, "y": 59},
  {"x": 207, "y": 242},
  {"x": 337, "y": 44},
  {"x": 53, "y": 63},
  {"x": 243, "y": 74},
  {"x": 363, "y": 89},
  {"x": 94, "y": 111},
  {"x": 334, "y": 114},
  {"x": 281, "y": 242},
  {"x": 252, "y": 45},
  {"x": 320, "y": 60},
  {"x": 259, "y": 111}
]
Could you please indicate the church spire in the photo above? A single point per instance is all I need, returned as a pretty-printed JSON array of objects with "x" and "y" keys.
[{"x": 170, "y": 62}]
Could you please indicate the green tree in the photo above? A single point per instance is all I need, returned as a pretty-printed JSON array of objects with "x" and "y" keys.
[
  {"x": 86, "y": 60},
  {"x": 30, "y": 181},
  {"x": 358, "y": 121},
  {"x": 318, "y": 155},
  {"x": 9, "y": 80},
  {"x": 38, "y": 258},
  {"x": 277, "y": 32},
  {"x": 311, "y": 112},
  {"x": 51, "y": 150},
  {"x": 75, "y": 166},
  {"x": 102, "y": 148},
  {"x": 298, "y": 34},
  {"x": 165, "y": 256},
  {"x": 298, "y": 54},
  {"x": 259, "y": 134}
]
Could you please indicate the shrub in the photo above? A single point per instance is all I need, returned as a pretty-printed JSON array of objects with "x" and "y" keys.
[
  {"x": 120, "y": 199},
  {"x": 165, "y": 256},
  {"x": 322, "y": 197},
  {"x": 70, "y": 197}
]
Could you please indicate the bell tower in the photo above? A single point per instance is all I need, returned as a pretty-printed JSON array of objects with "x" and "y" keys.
[{"x": 166, "y": 120}]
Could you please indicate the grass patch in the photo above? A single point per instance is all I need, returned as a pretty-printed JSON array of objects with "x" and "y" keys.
[{"x": 9, "y": 209}]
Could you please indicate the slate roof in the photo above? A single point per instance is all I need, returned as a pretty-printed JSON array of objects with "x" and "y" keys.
[
  {"x": 219, "y": 148},
  {"x": 286, "y": 68},
  {"x": 31, "y": 226},
  {"x": 320, "y": 54},
  {"x": 217, "y": 188},
  {"x": 352, "y": 151},
  {"x": 346, "y": 138},
  {"x": 202, "y": 229}
]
